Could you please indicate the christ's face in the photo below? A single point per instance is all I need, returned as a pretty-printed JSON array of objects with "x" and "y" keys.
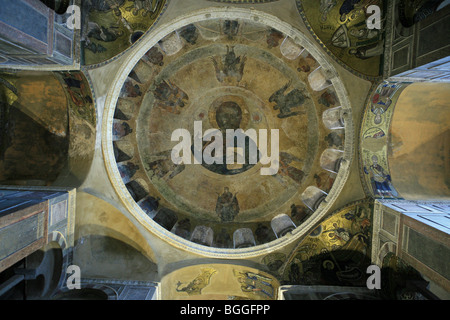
[{"x": 229, "y": 115}]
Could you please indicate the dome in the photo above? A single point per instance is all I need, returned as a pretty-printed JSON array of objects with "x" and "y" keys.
[{"x": 170, "y": 119}]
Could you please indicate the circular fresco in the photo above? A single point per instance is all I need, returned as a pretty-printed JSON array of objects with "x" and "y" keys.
[{"x": 229, "y": 133}]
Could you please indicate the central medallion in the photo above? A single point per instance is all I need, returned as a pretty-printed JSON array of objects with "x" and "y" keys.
[{"x": 228, "y": 115}]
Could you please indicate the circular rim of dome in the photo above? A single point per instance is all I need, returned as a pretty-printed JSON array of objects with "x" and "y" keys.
[{"x": 151, "y": 39}]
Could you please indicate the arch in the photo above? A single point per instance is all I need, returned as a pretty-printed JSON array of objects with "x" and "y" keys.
[
  {"x": 49, "y": 265},
  {"x": 243, "y": 238},
  {"x": 282, "y": 224},
  {"x": 404, "y": 137},
  {"x": 331, "y": 159},
  {"x": 385, "y": 249},
  {"x": 203, "y": 235},
  {"x": 333, "y": 118},
  {"x": 418, "y": 151},
  {"x": 319, "y": 79},
  {"x": 313, "y": 197},
  {"x": 50, "y": 122},
  {"x": 290, "y": 50}
]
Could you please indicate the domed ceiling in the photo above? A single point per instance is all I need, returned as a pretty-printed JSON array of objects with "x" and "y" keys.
[
  {"x": 112, "y": 27},
  {"x": 205, "y": 78}
]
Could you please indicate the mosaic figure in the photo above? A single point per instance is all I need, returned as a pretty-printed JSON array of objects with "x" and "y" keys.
[
  {"x": 287, "y": 169},
  {"x": 102, "y": 33},
  {"x": 229, "y": 116},
  {"x": 131, "y": 91},
  {"x": 127, "y": 170},
  {"x": 189, "y": 33},
  {"x": 164, "y": 168},
  {"x": 104, "y": 5},
  {"x": 255, "y": 283},
  {"x": 231, "y": 66},
  {"x": 324, "y": 181},
  {"x": 170, "y": 97},
  {"x": 380, "y": 180},
  {"x": 334, "y": 140},
  {"x": 155, "y": 56},
  {"x": 366, "y": 52},
  {"x": 150, "y": 205},
  {"x": 273, "y": 38},
  {"x": 80, "y": 95},
  {"x": 223, "y": 239},
  {"x": 285, "y": 102},
  {"x": 382, "y": 99},
  {"x": 109, "y": 27},
  {"x": 328, "y": 99},
  {"x": 200, "y": 282},
  {"x": 227, "y": 206},
  {"x": 263, "y": 234}
]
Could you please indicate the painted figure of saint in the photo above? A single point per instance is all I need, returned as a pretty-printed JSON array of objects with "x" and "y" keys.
[
  {"x": 154, "y": 56},
  {"x": 288, "y": 169},
  {"x": 382, "y": 100},
  {"x": 163, "y": 167},
  {"x": 200, "y": 282},
  {"x": 380, "y": 180},
  {"x": 227, "y": 206},
  {"x": 255, "y": 283},
  {"x": 231, "y": 66},
  {"x": 285, "y": 102},
  {"x": 170, "y": 97},
  {"x": 77, "y": 89},
  {"x": 121, "y": 129}
]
